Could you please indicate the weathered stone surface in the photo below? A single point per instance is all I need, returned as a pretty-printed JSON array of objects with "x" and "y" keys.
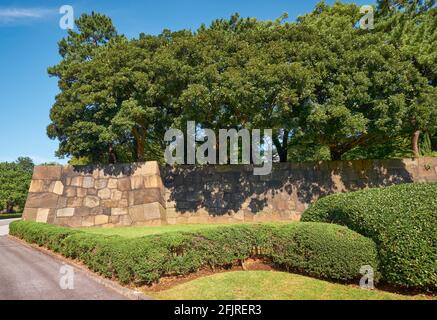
[
  {"x": 70, "y": 192},
  {"x": 101, "y": 219},
  {"x": 88, "y": 182},
  {"x": 136, "y": 182},
  {"x": 119, "y": 211},
  {"x": 42, "y": 200},
  {"x": 58, "y": 188},
  {"x": 148, "y": 168},
  {"x": 124, "y": 184},
  {"x": 74, "y": 202},
  {"x": 77, "y": 181},
  {"x": 47, "y": 173},
  {"x": 82, "y": 192},
  {"x": 42, "y": 215},
  {"x": 146, "y": 212},
  {"x": 40, "y": 186},
  {"x": 91, "y": 202},
  {"x": 63, "y": 213},
  {"x": 116, "y": 195},
  {"x": 137, "y": 197},
  {"x": 101, "y": 183},
  {"x": 104, "y": 194},
  {"x": 112, "y": 183}
]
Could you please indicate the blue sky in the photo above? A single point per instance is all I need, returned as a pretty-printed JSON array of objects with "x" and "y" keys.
[{"x": 29, "y": 32}]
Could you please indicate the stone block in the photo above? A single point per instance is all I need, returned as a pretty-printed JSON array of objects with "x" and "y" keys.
[
  {"x": 124, "y": 184},
  {"x": 58, "y": 188},
  {"x": 42, "y": 200},
  {"x": 81, "y": 192},
  {"x": 137, "y": 197},
  {"x": 104, "y": 194},
  {"x": 119, "y": 211},
  {"x": 147, "y": 212},
  {"x": 101, "y": 219},
  {"x": 47, "y": 173},
  {"x": 77, "y": 181},
  {"x": 112, "y": 183},
  {"x": 39, "y": 186},
  {"x": 74, "y": 202},
  {"x": 136, "y": 182},
  {"x": 91, "y": 192},
  {"x": 91, "y": 202},
  {"x": 63, "y": 213},
  {"x": 101, "y": 183},
  {"x": 70, "y": 192},
  {"x": 116, "y": 195},
  {"x": 29, "y": 214},
  {"x": 148, "y": 168},
  {"x": 88, "y": 182},
  {"x": 153, "y": 181},
  {"x": 42, "y": 215},
  {"x": 88, "y": 221}
]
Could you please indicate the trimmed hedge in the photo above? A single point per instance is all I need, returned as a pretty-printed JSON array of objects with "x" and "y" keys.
[
  {"x": 316, "y": 249},
  {"x": 402, "y": 220}
]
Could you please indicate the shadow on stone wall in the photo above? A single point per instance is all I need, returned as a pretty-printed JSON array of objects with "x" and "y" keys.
[{"x": 289, "y": 188}]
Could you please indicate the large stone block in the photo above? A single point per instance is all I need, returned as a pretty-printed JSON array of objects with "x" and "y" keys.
[
  {"x": 101, "y": 219},
  {"x": 66, "y": 212},
  {"x": 58, "y": 188},
  {"x": 77, "y": 181},
  {"x": 147, "y": 169},
  {"x": 40, "y": 186},
  {"x": 91, "y": 202},
  {"x": 124, "y": 184},
  {"x": 136, "y": 182},
  {"x": 42, "y": 200},
  {"x": 104, "y": 194},
  {"x": 137, "y": 197},
  {"x": 88, "y": 182},
  {"x": 42, "y": 215},
  {"x": 47, "y": 173},
  {"x": 147, "y": 212}
]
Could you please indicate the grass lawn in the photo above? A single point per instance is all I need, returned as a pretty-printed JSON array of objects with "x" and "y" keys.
[
  {"x": 269, "y": 285},
  {"x": 134, "y": 232}
]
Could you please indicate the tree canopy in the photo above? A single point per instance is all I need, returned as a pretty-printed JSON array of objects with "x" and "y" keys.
[
  {"x": 15, "y": 178},
  {"x": 325, "y": 87}
]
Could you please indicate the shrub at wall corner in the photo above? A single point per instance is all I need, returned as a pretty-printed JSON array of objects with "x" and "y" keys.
[
  {"x": 316, "y": 249},
  {"x": 402, "y": 220}
]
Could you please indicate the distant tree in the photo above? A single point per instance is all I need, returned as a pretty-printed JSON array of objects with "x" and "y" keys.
[{"x": 15, "y": 178}]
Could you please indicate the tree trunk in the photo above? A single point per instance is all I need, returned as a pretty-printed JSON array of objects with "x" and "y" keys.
[
  {"x": 139, "y": 145},
  {"x": 112, "y": 156},
  {"x": 415, "y": 144},
  {"x": 335, "y": 154},
  {"x": 9, "y": 208}
]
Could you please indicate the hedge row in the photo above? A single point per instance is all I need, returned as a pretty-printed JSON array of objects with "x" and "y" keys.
[
  {"x": 402, "y": 220},
  {"x": 316, "y": 249}
]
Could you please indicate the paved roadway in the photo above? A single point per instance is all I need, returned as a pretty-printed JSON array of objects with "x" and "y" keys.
[{"x": 28, "y": 274}]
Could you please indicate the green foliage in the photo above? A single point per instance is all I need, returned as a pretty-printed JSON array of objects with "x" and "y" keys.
[
  {"x": 320, "y": 250},
  {"x": 400, "y": 219},
  {"x": 319, "y": 81},
  {"x": 15, "y": 179}
]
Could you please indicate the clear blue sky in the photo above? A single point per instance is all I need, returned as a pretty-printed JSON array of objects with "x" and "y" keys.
[{"x": 29, "y": 32}]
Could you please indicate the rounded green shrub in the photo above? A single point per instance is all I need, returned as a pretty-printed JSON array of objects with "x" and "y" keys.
[{"x": 402, "y": 220}]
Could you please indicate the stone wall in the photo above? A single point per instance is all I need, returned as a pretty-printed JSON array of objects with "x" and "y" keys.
[
  {"x": 119, "y": 195},
  {"x": 222, "y": 194},
  {"x": 144, "y": 194}
]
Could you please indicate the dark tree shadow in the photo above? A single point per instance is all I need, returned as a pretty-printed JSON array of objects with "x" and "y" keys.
[{"x": 223, "y": 189}]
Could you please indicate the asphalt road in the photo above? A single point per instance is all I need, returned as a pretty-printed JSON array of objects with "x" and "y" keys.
[{"x": 27, "y": 274}]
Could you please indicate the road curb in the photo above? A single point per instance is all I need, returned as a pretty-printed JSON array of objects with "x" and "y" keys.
[{"x": 128, "y": 293}]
